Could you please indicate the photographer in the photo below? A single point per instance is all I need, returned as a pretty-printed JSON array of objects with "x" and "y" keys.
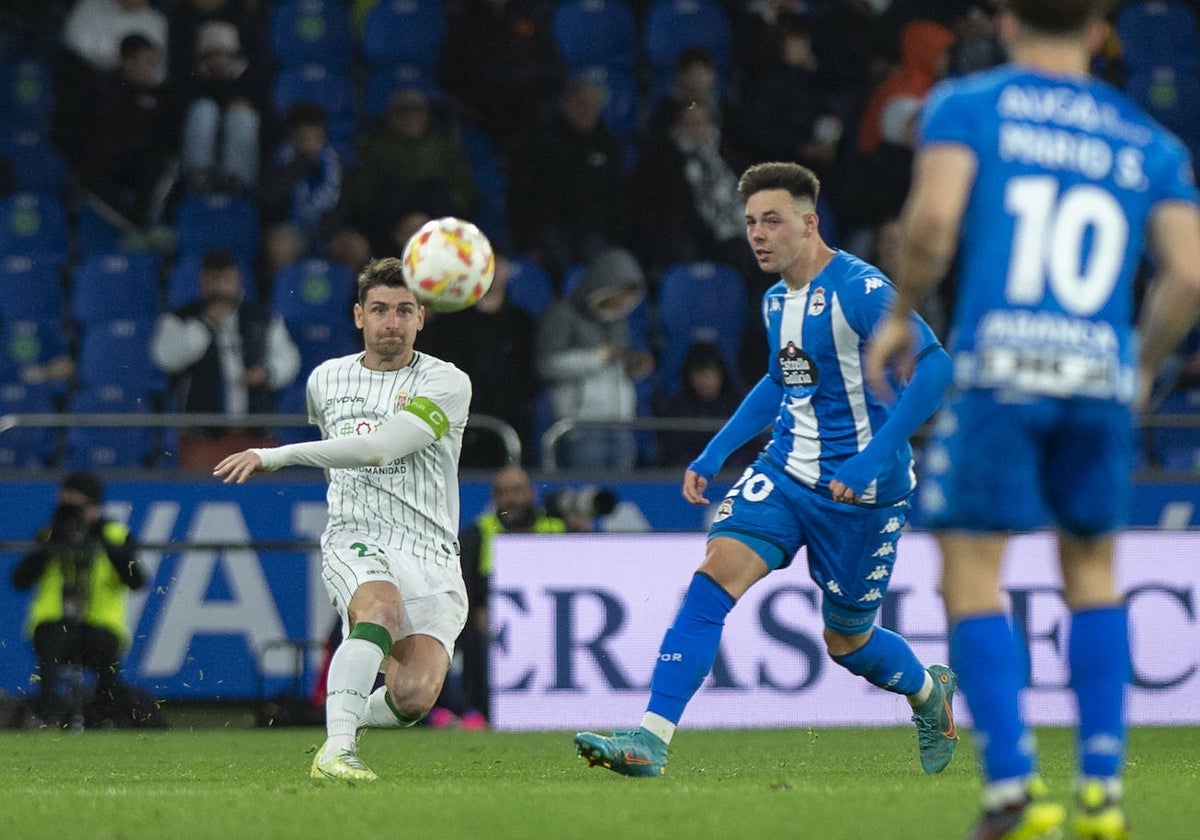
[{"x": 81, "y": 572}]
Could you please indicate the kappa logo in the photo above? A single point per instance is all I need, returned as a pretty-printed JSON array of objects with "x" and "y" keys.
[
  {"x": 873, "y": 283},
  {"x": 885, "y": 550},
  {"x": 873, "y": 594},
  {"x": 724, "y": 510},
  {"x": 774, "y": 305},
  {"x": 832, "y": 586},
  {"x": 879, "y": 573},
  {"x": 816, "y": 303},
  {"x": 892, "y": 526}
]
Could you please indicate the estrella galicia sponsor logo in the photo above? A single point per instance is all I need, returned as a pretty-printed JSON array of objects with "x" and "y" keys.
[{"x": 799, "y": 370}]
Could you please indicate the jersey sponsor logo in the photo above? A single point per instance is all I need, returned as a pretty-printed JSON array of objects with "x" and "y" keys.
[
  {"x": 816, "y": 302},
  {"x": 799, "y": 369},
  {"x": 873, "y": 283},
  {"x": 343, "y": 400},
  {"x": 363, "y": 427}
]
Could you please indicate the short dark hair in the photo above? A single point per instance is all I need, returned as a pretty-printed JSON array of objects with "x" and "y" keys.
[
  {"x": 134, "y": 43},
  {"x": 799, "y": 181},
  {"x": 305, "y": 114},
  {"x": 219, "y": 259},
  {"x": 1061, "y": 17},
  {"x": 386, "y": 271}
]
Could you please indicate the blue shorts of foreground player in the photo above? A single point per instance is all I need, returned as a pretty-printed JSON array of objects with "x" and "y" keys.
[
  {"x": 851, "y": 548},
  {"x": 1014, "y": 466}
]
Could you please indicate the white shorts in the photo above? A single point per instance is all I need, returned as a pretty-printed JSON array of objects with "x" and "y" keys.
[{"x": 433, "y": 594}]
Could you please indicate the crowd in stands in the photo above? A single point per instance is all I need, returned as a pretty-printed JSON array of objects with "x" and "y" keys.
[{"x": 150, "y": 146}]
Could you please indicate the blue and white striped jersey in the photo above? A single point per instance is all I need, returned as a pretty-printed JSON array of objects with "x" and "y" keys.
[
  {"x": 1069, "y": 172},
  {"x": 827, "y": 415}
]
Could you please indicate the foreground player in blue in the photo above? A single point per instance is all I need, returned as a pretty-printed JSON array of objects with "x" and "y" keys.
[
  {"x": 835, "y": 477},
  {"x": 1049, "y": 184}
]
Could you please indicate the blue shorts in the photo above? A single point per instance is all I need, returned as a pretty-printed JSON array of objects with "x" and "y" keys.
[
  {"x": 851, "y": 548},
  {"x": 997, "y": 466}
]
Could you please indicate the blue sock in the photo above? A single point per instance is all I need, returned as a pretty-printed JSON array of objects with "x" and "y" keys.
[
  {"x": 985, "y": 655},
  {"x": 689, "y": 647},
  {"x": 887, "y": 661},
  {"x": 1098, "y": 654}
]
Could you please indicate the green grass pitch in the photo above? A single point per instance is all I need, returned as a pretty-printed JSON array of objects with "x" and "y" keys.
[{"x": 830, "y": 784}]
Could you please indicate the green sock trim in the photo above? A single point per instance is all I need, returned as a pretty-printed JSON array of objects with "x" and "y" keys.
[
  {"x": 376, "y": 633},
  {"x": 404, "y": 719}
]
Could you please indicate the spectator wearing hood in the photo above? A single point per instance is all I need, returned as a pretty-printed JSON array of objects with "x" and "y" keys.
[{"x": 586, "y": 355}]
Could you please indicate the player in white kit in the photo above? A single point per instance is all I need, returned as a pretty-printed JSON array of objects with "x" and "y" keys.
[{"x": 392, "y": 419}]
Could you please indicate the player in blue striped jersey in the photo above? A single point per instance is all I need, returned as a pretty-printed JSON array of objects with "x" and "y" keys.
[
  {"x": 1049, "y": 185},
  {"x": 835, "y": 477}
]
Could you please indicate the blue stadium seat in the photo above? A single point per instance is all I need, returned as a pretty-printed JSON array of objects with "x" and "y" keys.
[
  {"x": 37, "y": 166},
  {"x": 1170, "y": 95},
  {"x": 311, "y": 32},
  {"x": 315, "y": 291},
  {"x": 94, "y": 448},
  {"x": 492, "y": 184},
  {"x": 183, "y": 281},
  {"x": 113, "y": 287},
  {"x": 26, "y": 447},
  {"x": 595, "y": 32},
  {"x": 94, "y": 234},
  {"x": 213, "y": 220},
  {"x": 1178, "y": 448},
  {"x": 330, "y": 88},
  {"x": 404, "y": 32},
  {"x": 117, "y": 353},
  {"x": 699, "y": 301},
  {"x": 32, "y": 224},
  {"x": 31, "y": 288},
  {"x": 1157, "y": 33},
  {"x": 620, "y": 103},
  {"x": 529, "y": 286},
  {"x": 26, "y": 95},
  {"x": 675, "y": 25},
  {"x": 385, "y": 81},
  {"x": 31, "y": 341}
]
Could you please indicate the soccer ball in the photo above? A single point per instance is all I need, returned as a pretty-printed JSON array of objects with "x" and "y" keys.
[{"x": 448, "y": 264}]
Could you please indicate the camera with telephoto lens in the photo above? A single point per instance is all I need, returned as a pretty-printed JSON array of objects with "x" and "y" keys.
[
  {"x": 74, "y": 549},
  {"x": 591, "y": 501}
]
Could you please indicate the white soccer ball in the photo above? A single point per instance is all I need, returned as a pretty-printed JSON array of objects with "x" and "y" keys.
[{"x": 448, "y": 264}]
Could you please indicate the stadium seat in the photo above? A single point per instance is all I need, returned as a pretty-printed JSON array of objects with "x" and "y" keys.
[
  {"x": 315, "y": 290},
  {"x": 675, "y": 25},
  {"x": 31, "y": 341},
  {"x": 1170, "y": 95},
  {"x": 31, "y": 288},
  {"x": 595, "y": 32},
  {"x": 183, "y": 281},
  {"x": 331, "y": 88},
  {"x": 529, "y": 286},
  {"x": 1178, "y": 449},
  {"x": 25, "y": 446},
  {"x": 1157, "y": 33},
  {"x": 385, "y": 81},
  {"x": 311, "y": 32},
  {"x": 112, "y": 287},
  {"x": 213, "y": 220},
  {"x": 492, "y": 184},
  {"x": 32, "y": 223},
  {"x": 117, "y": 353},
  {"x": 26, "y": 95},
  {"x": 94, "y": 234},
  {"x": 699, "y": 301},
  {"x": 620, "y": 103},
  {"x": 94, "y": 448},
  {"x": 36, "y": 164},
  {"x": 404, "y": 32}
]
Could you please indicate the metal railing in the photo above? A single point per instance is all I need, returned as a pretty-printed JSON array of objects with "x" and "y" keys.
[{"x": 502, "y": 430}]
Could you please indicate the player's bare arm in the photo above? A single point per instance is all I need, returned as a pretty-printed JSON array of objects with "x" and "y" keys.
[
  {"x": 1173, "y": 297},
  {"x": 238, "y": 467},
  {"x": 930, "y": 223},
  {"x": 694, "y": 486}
]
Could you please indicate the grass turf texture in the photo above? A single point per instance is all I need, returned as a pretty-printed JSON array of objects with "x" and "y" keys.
[{"x": 834, "y": 784}]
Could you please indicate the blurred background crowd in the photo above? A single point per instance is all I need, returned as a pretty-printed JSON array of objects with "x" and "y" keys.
[{"x": 188, "y": 188}]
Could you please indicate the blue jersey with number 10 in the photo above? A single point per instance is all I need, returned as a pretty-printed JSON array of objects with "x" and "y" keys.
[{"x": 1069, "y": 171}]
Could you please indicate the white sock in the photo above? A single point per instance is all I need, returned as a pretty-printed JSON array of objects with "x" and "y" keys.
[
  {"x": 923, "y": 692},
  {"x": 381, "y": 714},
  {"x": 658, "y": 725},
  {"x": 997, "y": 795},
  {"x": 351, "y": 675}
]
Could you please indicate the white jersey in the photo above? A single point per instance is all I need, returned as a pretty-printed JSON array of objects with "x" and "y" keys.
[{"x": 411, "y": 502}]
